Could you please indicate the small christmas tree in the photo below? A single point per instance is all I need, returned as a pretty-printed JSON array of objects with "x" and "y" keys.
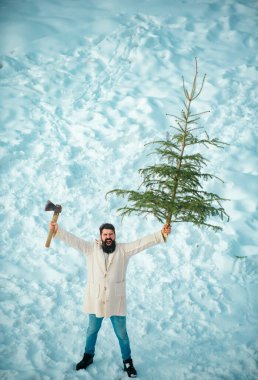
[{"x": 173, "y": 189}]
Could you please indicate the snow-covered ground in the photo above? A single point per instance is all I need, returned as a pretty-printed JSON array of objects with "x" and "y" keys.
[{"x": 84, "y": 85}]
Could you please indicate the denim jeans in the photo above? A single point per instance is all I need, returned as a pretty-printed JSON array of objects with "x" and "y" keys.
[{"x": 119, "y": 326}]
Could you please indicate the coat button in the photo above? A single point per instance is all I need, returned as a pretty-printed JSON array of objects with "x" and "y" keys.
[{"x": 105, "y": 288}]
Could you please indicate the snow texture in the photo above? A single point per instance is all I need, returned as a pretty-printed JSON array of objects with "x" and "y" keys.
[{"x": 84, "y": 85}]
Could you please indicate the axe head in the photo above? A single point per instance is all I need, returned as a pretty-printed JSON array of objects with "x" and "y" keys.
[{"x": 51, "y": 207}]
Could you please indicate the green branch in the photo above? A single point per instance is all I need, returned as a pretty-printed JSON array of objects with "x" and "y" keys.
[{"x": 172, "y": 188}]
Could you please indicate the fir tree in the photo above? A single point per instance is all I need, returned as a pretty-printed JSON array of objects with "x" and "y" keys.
[{"x": 173, "y": 188}]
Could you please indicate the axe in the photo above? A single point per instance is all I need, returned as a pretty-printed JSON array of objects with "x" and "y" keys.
[{"x": 57, "y": 209}]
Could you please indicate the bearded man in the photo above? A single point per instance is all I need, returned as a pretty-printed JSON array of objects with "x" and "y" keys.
[{"x": 106, "y": 291}]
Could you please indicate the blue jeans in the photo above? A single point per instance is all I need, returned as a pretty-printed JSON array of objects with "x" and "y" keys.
[{"x": 119, "y": 326}]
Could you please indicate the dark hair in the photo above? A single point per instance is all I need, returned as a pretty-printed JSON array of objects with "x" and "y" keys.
[{"x": 106, "y": 226}]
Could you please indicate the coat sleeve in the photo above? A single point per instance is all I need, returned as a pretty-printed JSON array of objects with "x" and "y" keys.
[
  {"x": 143, "y": 243},
  {"x": 74, "y": 242}
]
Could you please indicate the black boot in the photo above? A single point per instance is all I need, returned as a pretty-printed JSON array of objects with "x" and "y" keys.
[
  {"x": 86, "y": 360},
  {"x": 129, "y": 368}
]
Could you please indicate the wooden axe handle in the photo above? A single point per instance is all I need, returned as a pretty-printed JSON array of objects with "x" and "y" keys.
[{"x": 51, "y": 232}]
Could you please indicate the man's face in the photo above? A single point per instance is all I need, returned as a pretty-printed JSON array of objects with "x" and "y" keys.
[{"x": 107, "y": 236}]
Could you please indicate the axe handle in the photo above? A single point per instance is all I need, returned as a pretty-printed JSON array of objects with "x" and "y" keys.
[{"x": 51, "y": 232}]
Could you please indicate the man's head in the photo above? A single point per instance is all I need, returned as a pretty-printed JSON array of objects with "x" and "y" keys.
[{"x": 108, "y": 237}]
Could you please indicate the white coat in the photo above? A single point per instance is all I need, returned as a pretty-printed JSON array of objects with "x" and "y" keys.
[{"x": 105, "y": 293}]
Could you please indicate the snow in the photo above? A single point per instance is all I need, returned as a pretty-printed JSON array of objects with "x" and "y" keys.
[{"x": 84, "y": 85}]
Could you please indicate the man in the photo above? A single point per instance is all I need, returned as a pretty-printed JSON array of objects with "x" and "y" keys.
[{"x": 105, "y": 291}]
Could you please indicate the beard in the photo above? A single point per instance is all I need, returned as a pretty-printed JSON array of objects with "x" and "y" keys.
[{"x": 108, "y": 248}]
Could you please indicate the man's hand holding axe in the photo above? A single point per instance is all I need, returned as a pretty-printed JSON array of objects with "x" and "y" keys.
[{"x": 53, "y": 227}]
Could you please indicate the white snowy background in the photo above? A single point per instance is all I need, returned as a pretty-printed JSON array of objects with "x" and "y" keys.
[{"x": 84, "y": 85}]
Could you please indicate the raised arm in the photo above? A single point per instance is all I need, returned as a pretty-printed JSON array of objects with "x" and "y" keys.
[
  {"x": 147, "y": 241},
  {"x": 72, "y": 240}
]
